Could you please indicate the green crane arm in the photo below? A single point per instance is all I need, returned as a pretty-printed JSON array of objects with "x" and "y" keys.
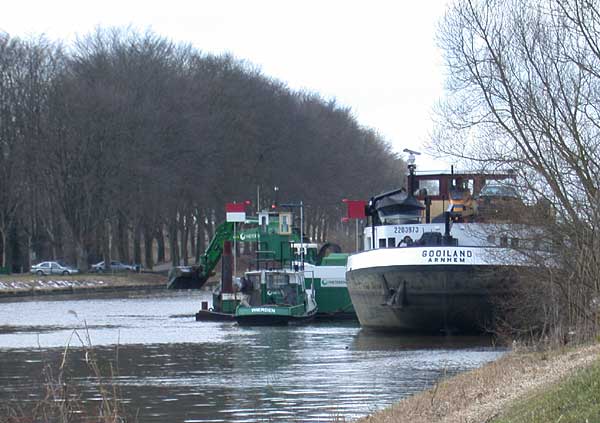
[
  {"x": 213, "y": 253},
  {"x": 193, "y": 277}
]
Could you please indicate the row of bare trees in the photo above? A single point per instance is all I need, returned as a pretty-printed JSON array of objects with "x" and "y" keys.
[
  {"x": 524, "y": 93},
  {"x": 126, "y": 145}
]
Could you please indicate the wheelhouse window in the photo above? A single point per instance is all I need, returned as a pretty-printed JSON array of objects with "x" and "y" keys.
[
  {"x": 255, "y": 280},
  {"x": 431, "y": 186},
  {"x": 277, "y": 280},
  {"x": 285, "y": 222},
  {"x": 402, "y": 218}
]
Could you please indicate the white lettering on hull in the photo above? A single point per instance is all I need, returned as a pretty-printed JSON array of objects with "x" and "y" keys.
[
  {"x": 262, "y": 310},
  {"x": 431, "y": 256},
  {"x": 447, "y": 256}
]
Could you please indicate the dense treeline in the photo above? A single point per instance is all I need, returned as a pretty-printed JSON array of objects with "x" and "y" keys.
[{"x": 127, "y": 146}]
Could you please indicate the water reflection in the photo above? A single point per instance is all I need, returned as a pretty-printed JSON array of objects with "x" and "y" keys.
[
  {"x": 370, "y": 339},
  {"x": 172, "y": 368}
]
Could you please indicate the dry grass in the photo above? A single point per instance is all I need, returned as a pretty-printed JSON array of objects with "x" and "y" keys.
[
  {"x": 573, "y": 400},
  {"x": 482, "y": 394},
  {"x": 62, "y": 400}
]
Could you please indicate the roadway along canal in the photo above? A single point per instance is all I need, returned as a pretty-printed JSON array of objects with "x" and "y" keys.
[{"x": 172, "y": 368}]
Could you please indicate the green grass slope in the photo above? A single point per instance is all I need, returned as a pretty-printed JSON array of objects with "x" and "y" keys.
[{"x": 574, "y": 400}]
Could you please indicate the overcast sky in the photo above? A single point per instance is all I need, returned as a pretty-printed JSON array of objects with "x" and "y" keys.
[{"x": 380, "y": 58}]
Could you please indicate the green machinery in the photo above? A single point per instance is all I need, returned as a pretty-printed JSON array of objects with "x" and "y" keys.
[
  {"x": 328, "y": 277},
  {"x": 277, "y": 246},
  {"x": 272, "y": 233},
  {"x": 278, "y": 297}
]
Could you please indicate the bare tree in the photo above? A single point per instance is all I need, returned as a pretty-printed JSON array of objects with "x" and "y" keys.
[
  {"x": 523, "y": 93},
  {"x": 127, "y": 138},
  {"x": 26, "y": 69}
]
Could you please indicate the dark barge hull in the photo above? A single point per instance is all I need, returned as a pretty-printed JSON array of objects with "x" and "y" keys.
[
  {"x": 263, "y": 320},
  {"x": 429, "y": 299},
  {"x": 273, "y": 320},
  {"x": 214, "y": 316}
]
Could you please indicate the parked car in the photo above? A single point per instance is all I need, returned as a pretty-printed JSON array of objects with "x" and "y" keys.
[
  {"x": 52, "y": 268},
  {"x": 115, "y": 266}
]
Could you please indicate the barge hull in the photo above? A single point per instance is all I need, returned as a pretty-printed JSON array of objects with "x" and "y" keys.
[
  {"x": 215, "y": 316},
  {"x": 428, "y": 299},
  {"x": 273, "y": 320}
]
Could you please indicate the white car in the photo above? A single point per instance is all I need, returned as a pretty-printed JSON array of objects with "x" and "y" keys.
[
  {"x": 52, "y": 268},
  {"x": 115, "y": 266}
]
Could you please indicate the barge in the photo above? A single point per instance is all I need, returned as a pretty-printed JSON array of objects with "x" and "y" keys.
[{"x": 440, "y": 274}]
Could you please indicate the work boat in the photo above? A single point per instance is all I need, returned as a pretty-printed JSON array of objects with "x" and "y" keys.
[
  {"x": 278, "y": 297},
  {"x": 276, "y": 242},
  {"x": 439, "y": 274}
]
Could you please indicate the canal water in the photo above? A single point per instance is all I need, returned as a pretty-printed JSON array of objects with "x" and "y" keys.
[{"x": 168, "y": 367}]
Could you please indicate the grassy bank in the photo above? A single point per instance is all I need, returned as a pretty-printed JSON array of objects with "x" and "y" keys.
[
  {"x": 553, "y": 384},
  {"x": 575, "y": 399}
]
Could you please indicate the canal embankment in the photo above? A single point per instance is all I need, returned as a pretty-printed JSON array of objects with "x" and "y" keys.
[
  {"x": 28, "y": 285},
  {"x": 548, "y": 384}
]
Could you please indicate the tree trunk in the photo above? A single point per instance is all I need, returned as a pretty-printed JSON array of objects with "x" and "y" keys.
[
  {"x": 123, "y": 237},
  {"x": 174, "y": 244},
  {"x": 3, "y": 246},
  {"x": 28, "y": 254},
  {"x": 211, "y": 229},
  {"x": 137, "y": 244},
  {"x": 200, "y": 238},
  {"x": 160, "y": 241},
  {"x": 148, "y": 249},
  {"x": 107, "y": 244},
  {"x": 81, "y": 253},
  {"x": 184, "y": 230}
]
